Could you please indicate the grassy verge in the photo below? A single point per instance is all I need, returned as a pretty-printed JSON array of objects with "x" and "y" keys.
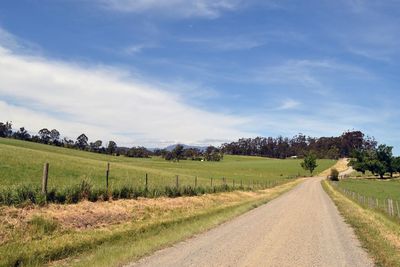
[
  {"x": 40, "y": 236},
  {"x": 379, "y": 234}
]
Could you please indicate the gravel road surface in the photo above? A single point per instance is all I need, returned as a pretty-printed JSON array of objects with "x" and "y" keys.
[{"x": 300, "y": 228}]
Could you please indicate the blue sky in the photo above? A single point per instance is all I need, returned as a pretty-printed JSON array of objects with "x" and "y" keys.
[{"x": 146, "y": 72}]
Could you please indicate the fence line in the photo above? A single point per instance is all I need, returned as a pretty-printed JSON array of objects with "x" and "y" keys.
[
  {"x": 388, "y": 206},
  {"x": 141, "y": 188}
]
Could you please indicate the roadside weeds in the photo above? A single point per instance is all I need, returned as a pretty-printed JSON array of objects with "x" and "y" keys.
[{"x": 60, "y": 236}]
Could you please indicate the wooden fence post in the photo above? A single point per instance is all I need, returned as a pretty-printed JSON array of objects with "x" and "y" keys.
[
  {"x": 146, "y": 181},
  {"x": 195, "y": 181},
  {"x": 211, "y": 181},
  {"x": 45, "y": 178},
  {"x": 107, "y": 174},
  {"x": 390, "y": 207},
  {"x": 177, "y": 181}
]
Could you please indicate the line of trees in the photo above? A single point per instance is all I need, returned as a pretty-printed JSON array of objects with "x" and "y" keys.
[
  {"x": 378, "y": 161},
  {"x": 301, "y": 145},
  {"x": 211, "y": 153},
  {"x": 53, "y": 137}
]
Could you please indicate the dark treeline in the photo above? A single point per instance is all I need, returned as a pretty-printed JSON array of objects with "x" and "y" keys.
[
  {"x": 211, "y": 153},
  {"x": 301, "y": 145},
  {"x": 53, "y": 137},
  {"x": 280, "y": 147}
]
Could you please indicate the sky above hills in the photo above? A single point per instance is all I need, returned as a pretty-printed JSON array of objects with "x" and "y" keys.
[{"x": 153, "y": 73}]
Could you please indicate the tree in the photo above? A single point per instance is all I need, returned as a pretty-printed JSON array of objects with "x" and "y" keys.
[
  {"x": 192, "y": 153},
  {"x": 168, "y": 156},
  {"x": 68, "y": 143},
  {"x": 22, "y": 134},
  {"x": 384, "y": 155},
  {"x": 95, "y": 147},
  {"x": 377, "y": 160},
  {"x": 360, "y": 159},
  {"x": 82, "y": 141},
  {"x": 177, "y": 152},
  {"x": 212, "y": 154},
  {"x": 309, "y": 163},
  {"x": 44, "y": 135},
  {"x": 112, "y": 147},
  {"x": 55, "y": 137},
  {"x": 138, "y": 152},
  {"x": 396, "y": 164},
  {"x": 377, "y": 167},
  {"x": 5, "y": 129}
]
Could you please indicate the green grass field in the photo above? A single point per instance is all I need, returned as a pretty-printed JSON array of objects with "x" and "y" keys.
[
  {"x": 22, "y": 163},
  {"x": 381, "y": 189}
]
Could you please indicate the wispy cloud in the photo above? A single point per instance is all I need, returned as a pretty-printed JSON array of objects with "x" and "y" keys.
[
  {"x": 374, "y": 31},
  {"x": 10, "y": 41},
  {"x": 314, "y": 75},
  {"x": 174, "y": 8},
  {"x": 289, "y": 104},
  {"x": 137, "y": 48},
  {"x": 243, "y": 41},
  {"x": 226, "y": 43},
  {"x": 102, "y": 102}
]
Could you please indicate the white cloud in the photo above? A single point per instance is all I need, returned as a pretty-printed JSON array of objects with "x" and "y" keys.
[
  {"x": 136, "y": 48},
  {"x": 227, "y": 43},
  {"x": 289, "y": 104},
  {"x": 104, "y": 102},
  {"x": 174, "y": 8}
]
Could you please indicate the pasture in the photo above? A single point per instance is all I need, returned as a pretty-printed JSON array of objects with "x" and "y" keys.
[
  {"x": 376, "y": 188},
  {"x": 21, "y": 163}
]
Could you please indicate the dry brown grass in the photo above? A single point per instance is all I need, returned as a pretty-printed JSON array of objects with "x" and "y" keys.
[
  {"x": 88, "y": 215},
  {"x": 66, "y": 231}
]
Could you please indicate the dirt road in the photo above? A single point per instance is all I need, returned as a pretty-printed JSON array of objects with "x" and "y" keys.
[{"x": 300, "y": 228}]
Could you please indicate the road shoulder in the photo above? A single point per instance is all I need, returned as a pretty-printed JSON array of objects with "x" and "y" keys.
[{"x": 379, "y": 235}]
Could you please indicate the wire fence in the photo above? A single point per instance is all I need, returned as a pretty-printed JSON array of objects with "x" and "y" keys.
[
  {"x": 388, "y": 206},
  {"x": 145, "y": 188}
]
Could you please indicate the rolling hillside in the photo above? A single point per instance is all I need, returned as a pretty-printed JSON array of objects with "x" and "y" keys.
[{"x": 22, "y": 163}]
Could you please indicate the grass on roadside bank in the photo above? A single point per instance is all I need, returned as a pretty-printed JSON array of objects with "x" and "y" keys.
[
  {"x": 379, "y": 234},
  {"x": 50, "y": 235},
  {"x": 376, "y": 188}
]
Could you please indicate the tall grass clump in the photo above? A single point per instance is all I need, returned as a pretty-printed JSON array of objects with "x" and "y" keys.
[{"x": 85, "y": 191}]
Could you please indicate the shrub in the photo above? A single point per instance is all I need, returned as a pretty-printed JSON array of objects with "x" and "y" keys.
[
  {"x": 85, "y": 188},
  {"x": 334, "y": 175},
  {"x": 24, "y": 194},
  {"x": 72, "y": 195}
]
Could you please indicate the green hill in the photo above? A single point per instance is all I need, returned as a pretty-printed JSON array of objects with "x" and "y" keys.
[{"x": 21, "y": 163}]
